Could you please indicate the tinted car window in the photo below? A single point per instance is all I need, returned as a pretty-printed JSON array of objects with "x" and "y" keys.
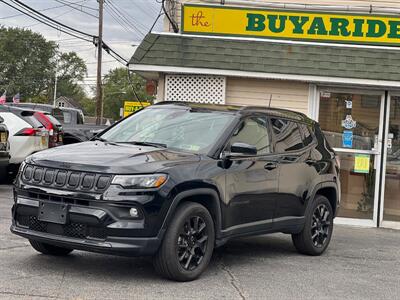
[
  {"x": 306, "y": 132},
  {"x": 253, "y": 131},
  {"x": 29, "y": 117},
  {"x": 190, "y": 130},
  {"x": 287, "y": 135}
]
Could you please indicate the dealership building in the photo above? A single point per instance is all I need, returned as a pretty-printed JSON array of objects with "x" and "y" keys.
[{"x": 340, "y": 65}]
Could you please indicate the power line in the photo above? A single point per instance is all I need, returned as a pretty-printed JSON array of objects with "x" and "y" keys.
[
  {"x": 50, "y": 19},
  {"x": 44, "y": 22},
  {"x": 69, "y": 4},
  {"x": 62, "y": 14},
  {"x": 64, "y": 28},
  {"x": 127, "y": 21},
  {"x": 19, "y": 15}
]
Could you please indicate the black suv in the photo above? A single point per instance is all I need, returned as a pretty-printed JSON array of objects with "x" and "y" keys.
[{"x": 175, "y": 180}]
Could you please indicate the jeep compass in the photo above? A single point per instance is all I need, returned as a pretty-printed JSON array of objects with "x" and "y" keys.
[{"x": 175, "y": 180}]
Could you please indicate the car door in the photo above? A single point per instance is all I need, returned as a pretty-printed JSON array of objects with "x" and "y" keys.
[
  {"x": 251, "y": 182},
  {"x": 295, "y": 171}
]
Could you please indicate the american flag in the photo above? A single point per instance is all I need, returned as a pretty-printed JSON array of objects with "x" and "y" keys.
[
  {"x": 16, "y": 98},
  {"x": 3, "y": 98}
]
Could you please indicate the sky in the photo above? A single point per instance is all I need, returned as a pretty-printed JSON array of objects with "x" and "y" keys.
[{"x": 125, "y": 24}]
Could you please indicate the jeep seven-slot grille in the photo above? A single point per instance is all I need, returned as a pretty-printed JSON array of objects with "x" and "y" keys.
[
  {"x": 65, "y": 179},
  {"x": 73, "y": 230}
]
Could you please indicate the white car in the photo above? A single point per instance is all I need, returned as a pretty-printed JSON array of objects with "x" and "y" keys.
[{"x": 26, "y": 134}]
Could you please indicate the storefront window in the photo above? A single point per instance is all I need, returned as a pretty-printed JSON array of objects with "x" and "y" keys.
[
  {"x": 350, "y": 120},
  {"x": 391, "y": 211},
  {"x": 357, "y": 178}
]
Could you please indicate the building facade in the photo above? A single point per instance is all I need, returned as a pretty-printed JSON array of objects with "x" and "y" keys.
[{"x": 339, "y": 64}]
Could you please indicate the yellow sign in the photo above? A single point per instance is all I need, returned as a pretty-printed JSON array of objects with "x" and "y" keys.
[
  {"x": 292, "y": 25},
  {"x": 132, "y": 106},
  {"x": 361, "y": 163}
]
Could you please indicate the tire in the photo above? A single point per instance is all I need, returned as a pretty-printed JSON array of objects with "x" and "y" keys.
[
  {"x": 49, "y": 249},
  {"x": 317, "y": 232},
  {"x": 3, "y": 175},
  {"x": 185, "y": 252}
]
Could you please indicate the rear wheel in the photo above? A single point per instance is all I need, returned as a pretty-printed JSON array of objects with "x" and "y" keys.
[
  {"x": 188, "y": 244},
  {"x": 49, "y": 249},
  {"x": 317, "y": 231}
]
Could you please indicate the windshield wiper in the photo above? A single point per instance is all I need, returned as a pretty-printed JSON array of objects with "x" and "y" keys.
[
  {"x": 152, "y": 144},
  {"x": 97, "y": 138}
]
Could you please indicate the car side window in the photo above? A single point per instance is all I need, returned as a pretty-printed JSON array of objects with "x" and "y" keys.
[
  {"x": 253, "y": 131},
  {"x": 306, "y": 132},
  {"x": 287, "y": 135}
]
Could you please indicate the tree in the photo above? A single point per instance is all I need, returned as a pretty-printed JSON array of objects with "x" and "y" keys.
[
  {"x": 26, "y": 62},
  {"x": 117, "y": 89},
  {"x": 29, "y": 63},
  {"x": 70, "y": 69}
]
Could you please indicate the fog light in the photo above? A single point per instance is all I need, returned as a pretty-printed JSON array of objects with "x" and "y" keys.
[{"x": 134, "y": 212}]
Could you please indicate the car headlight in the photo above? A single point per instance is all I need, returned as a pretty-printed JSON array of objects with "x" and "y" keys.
[{"x": 140, "y": 181}]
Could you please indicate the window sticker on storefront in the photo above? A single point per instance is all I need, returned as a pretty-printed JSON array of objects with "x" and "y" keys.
[{"x": 294, "y": 25}]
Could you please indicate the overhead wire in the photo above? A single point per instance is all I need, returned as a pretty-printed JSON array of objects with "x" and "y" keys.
[{"x": 27, "y": 10}]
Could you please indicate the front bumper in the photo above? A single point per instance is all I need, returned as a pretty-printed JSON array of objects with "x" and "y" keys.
[
  {"x": 112, "y": 245},
  {"x": 94, "y": 227}
]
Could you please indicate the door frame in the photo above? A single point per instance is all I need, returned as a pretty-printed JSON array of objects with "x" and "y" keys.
[
  {"x": 376, "y": 152},
  {"x": 382, "y": 222}
]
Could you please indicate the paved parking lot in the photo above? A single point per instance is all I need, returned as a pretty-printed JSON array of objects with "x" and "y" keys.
[{"x": 360, "y": 264}]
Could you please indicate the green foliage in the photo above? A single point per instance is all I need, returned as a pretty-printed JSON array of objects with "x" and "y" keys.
[
  {"x": 88, "y": 106},
  {"x": 26, "y": 61},
  {"x": 118, "y": 89},
  {"x": 29, "y": 63}
]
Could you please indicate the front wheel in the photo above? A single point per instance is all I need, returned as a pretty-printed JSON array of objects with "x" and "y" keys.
[
  {"x": 317, "y": 231},
  {"x": 188, "y": 244}
]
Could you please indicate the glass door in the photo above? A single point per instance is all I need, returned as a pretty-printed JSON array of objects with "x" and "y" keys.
[
  {"x": 351, "y": 121},
  {"x": 391, "y": 204}
]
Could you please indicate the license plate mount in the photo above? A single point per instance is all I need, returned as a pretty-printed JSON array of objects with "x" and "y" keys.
[{"x": 53, "y": 212}]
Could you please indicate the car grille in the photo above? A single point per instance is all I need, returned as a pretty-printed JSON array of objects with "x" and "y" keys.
[
  {"x": 73, "y": 230},
  {"x": 65, "y": 179}
]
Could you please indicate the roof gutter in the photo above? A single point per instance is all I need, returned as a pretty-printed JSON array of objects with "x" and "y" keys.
[{"x": 361, "y": 9}]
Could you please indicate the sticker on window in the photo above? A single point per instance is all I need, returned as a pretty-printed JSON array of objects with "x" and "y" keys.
[
  {"x": 347, "y": 139},
  {"x": 361, "y": 163}
]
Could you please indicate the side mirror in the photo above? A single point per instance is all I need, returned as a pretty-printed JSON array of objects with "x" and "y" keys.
[{"x": 242, "y": 149}]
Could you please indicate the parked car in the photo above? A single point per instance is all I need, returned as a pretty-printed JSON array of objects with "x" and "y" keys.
[
  {"x": 56, "y": 132},
  {"x": 175, "y": 180},
  {"x": 4, "y": 150},
  {"x": 26, "y": 134},
  {"x": 72, "y": 120}
]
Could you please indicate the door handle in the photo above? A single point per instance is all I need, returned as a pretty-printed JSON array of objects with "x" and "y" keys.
[{"x": 270, "y": 166}]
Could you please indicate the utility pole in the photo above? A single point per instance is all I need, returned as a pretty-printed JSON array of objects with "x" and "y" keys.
[
  {"x": 55, "y": 84},
  {"x": 99, "y": 89},
  {"x": 55, "y": 91}
]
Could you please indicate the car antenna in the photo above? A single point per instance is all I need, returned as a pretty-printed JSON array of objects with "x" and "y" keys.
[{"x": 270, "y": 98}]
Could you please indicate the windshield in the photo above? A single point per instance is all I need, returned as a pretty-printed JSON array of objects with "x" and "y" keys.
[{"x": 178, "y": 128}]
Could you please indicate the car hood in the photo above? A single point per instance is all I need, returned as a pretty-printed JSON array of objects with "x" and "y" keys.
[{"x": 106, "y": 157}]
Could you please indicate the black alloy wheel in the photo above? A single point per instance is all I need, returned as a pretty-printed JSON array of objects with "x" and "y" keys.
[
  {"x": 317, "y": 232},
  {"x": 192, "y": 243},
  {"x": 188, "y": 243},
  {"x": 320, "y": 225}
]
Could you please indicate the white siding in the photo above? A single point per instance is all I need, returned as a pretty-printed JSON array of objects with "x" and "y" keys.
[{"x": 285, "y": 94}]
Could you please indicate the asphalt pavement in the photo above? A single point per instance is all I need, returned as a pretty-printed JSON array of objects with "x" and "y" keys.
[{"x": 361, "y": 263}]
